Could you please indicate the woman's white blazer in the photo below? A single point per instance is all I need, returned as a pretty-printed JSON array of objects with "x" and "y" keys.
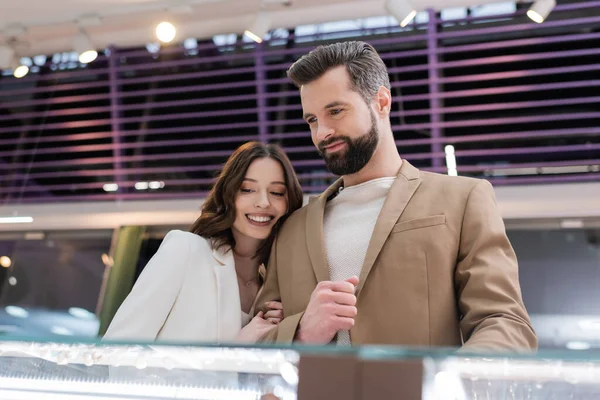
[{"x": 187, "y": 292}]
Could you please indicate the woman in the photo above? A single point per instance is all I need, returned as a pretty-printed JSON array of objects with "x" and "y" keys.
[{"x": 201, "y": 285}]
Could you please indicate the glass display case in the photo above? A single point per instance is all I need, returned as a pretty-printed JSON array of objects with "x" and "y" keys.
[
  {"x": 448, "y": 375},
  {"x": 50, "y": 370},
  {"x": 75, "y": 370},
  {"x": 462, "y": 378}
]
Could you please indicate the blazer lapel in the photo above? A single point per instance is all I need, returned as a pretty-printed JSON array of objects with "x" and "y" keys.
[
  {"x": 229, "y": 309},
  {"x": 314, "y": 232},
  {"x": 400, "y": 193}
]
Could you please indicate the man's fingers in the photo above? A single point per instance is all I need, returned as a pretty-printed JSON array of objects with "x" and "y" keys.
[
  {"x": 340, "y": 286},
  {"x": 346, "y": 311},
  {"x": 274, "y": 314},
  {"x": 343, "y": 298},
  {"x": 274, "y": 305},
  {"x": 344, "y": 323},
  {"x": 328, "y": 296},
  {"x": 353, "y": 280}
]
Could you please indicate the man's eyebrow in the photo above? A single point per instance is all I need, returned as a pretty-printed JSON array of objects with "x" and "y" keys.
[
  {"x": 333, "y": 104},
  {"x": 336, "y": 103}
]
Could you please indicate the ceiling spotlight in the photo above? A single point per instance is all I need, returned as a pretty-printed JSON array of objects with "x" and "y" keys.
[
  {"x": 402, "y": 10},
  {"x": 16, "y": 220},
  {"x": 156, "y": 185},
  {"x": 110, "y": 187},
  {"x": 19, "y": 70},
  {"x": 540, "y": 10},
  {"x": 5, "y": 262},
  {"x": 141, "y": 185},
  {"x": 259, "y": 28},
  {"x": 84, "y": 47},
  {"x": 165, "y": 32}
]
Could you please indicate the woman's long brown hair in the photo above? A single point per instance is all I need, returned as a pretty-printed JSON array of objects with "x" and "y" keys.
[{"x": 218, "y": 210}]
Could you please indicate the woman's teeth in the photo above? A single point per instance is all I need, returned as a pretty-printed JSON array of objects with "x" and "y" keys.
[{"x": 259, "y": 219}]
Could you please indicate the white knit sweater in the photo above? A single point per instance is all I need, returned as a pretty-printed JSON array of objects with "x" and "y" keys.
[{"x": 348, "y": 226}]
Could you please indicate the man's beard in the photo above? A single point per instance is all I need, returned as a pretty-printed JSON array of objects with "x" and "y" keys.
[{"x": 358, "y": 153}]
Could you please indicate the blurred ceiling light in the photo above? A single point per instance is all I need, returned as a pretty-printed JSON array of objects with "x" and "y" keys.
[
  {"x": 19, "y": 70},
  {"x": 110, "y": 187},
  {"x": 12, "y": 281},
  {"x": 17, "y": 312},
  {"x": 450, "y": 160},
  {"x": 402, "y": 10},
  {"x": 84, "y": 47},
  {"x": 153, "y": 47},
  {"x": 141, "y": 185},
  {"x": 5, "y": 262},
  {"x": 16, "y": 220},
  {"x": 156, "y": 185},
  {"x": 540, "y": 10},
  {"x": 165, "y": 32},
  {"x": 259, "y": 27}
]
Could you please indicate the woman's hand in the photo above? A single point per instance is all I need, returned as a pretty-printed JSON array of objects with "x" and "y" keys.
[{"x": 256, "y": 328}]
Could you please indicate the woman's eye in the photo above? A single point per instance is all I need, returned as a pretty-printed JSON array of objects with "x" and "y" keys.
[
  {"x": 278, "y": 194},
  {"x": 246, "y": 190}
]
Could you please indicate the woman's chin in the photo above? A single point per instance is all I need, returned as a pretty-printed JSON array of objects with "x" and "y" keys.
[{"x": 260, "y": 237}]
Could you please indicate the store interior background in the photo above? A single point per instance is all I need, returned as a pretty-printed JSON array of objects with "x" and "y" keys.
[{"x": 134, "y": 138}]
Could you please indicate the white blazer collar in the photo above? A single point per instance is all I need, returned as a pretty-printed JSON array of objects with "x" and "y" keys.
[{"x": 223, "y": 255}]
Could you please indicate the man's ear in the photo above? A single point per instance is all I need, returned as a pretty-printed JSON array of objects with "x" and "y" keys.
[{"x": 383, "y": 101}]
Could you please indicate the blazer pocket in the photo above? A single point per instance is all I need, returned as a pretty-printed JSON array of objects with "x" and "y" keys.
[{"x": 419, "y": 223}]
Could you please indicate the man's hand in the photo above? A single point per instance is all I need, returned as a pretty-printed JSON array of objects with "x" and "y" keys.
[
  {"x": 332, "y": 307},
  {"x": 275, "y": 312}
]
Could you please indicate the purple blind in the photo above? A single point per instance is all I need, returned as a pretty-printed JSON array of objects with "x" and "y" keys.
[{"x": 519, "y": 101}]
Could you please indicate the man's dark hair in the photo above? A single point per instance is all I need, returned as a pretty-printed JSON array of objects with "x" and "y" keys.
[{"x": 364, "y": 65}]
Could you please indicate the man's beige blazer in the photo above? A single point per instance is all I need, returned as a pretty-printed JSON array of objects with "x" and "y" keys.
[{"x": 439, "y": 269}]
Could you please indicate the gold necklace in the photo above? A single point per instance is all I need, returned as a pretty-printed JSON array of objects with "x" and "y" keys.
[{"x": 246, "y": 283}]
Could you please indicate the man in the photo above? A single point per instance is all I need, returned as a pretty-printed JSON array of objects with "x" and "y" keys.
[{"x": 388, "y": 254}]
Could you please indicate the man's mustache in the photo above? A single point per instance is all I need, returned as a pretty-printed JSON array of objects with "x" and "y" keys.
[{"x": 327, "y": 142}]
